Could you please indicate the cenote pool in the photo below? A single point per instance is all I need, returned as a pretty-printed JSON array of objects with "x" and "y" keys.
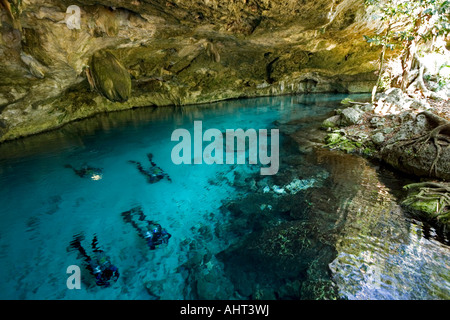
[{"x": 328, "y": 225}]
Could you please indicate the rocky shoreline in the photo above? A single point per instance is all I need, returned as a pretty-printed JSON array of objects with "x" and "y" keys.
[{"x": 407, "y": 134}]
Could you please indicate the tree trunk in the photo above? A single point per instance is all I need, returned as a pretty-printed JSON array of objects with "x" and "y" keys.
[
  {"x": 380, "y": 70},
  {"x": 407, "y": 61},
  {"x": 409, "y": 54},
  {"x": 418, "y": 83}
]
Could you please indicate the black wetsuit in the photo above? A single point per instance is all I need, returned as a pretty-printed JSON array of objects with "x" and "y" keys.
[
  {"x": 100, "y": 267},
  {"x": 153, "y": 173},
  {"x": 150, "y": 231}
]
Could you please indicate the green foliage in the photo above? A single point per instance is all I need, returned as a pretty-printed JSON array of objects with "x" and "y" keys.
[
  {"x": 444, "y": 78},
  {"x": 336, "y": 140},
  {"x": 409, "y": 23},
  {"x": 406, "y": 16}
]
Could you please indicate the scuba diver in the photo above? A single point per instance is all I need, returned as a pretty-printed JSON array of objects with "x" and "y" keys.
[
  {"x": 150, "y": 231},
  {"x": 87, "y": 171},
  {"x": 154, "y": 173},
  {"x": 99, "y": 266}
]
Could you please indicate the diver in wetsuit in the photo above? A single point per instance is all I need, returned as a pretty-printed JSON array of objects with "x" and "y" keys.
[
  {"x": 153, "y": 173},
  {"x": 100, "y": 266},
  {"x": 150, "y": 231},
  {"x": 87, "y": 171}
]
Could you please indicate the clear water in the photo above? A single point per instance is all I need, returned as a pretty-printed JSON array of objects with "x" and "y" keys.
[{"x": 341, "y": 234}]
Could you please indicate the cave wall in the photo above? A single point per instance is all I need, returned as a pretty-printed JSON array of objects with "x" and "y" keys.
[{"x": 177, "y": 52}]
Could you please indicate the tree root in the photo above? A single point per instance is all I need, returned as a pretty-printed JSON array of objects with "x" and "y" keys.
[
  {"x": 440, "y": 186},
  {"x": 433, "y": 191},
  {"x": 419, "y": 84},
  {"x": 440, "y": 137}
]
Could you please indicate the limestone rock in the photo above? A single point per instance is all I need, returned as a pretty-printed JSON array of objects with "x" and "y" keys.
[
  {"x": 418, "y": 147},
  {"x": 331, "y": 122},
  {"x": 377, "y": 122},
  {"x": 110, "y": 77},
  {"x": 36, "y": 69},
  {"x": 394, "y": 101},
  {"x": 378, "y": 138},
  {"x": 177, "y": 53},
  {"x": 351, "y": 116}
]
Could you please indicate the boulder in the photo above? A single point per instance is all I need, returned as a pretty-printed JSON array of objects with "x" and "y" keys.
[
  {"x": 331, "y": 122},
  {"x": 351, "y": 116},
  {"x": 420, "y": 147},
  {"x": 378, "y": 138}
]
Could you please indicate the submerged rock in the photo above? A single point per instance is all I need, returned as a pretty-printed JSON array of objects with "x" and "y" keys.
[
  {"x": 109, "y": 76},
  {"x": 212, "y": 283},
  {"x": 288, "y": 248}
]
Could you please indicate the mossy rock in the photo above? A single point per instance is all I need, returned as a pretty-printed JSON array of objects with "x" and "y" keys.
[
  {"x": 3, "y": 127},
  {"x": 111, "y": 79},
  {"x": 336, "y": 140},
  {"x": 427, "y": 210},
  {"x": 332, "y": 122},
  {"x": 427, "y": 207},
  {"x": 429, "y": 200}
]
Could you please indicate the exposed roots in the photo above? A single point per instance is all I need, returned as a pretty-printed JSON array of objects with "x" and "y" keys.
[
  {"x": 417, "y": 83},
  {"x": 439, "y": 136},
  {"x": 433, "y": 191}
]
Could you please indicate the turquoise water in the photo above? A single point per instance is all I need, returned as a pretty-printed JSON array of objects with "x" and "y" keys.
[{"x": 328, "y": 225}]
